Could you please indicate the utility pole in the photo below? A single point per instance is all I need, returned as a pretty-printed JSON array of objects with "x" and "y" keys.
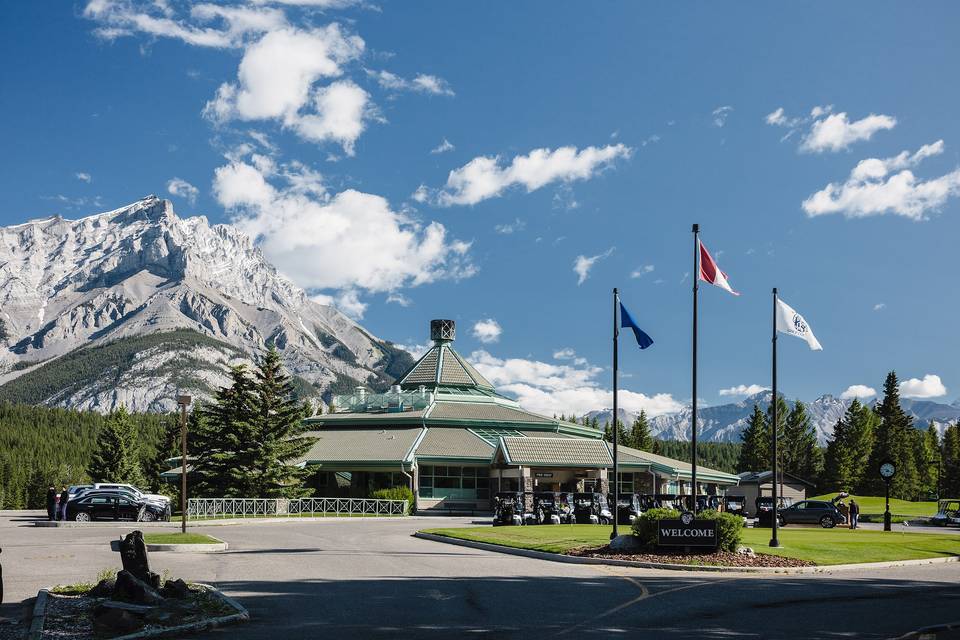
[{"x": 184, "y": 402}]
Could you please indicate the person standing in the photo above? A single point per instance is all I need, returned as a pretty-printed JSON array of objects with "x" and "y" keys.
[
  {"x": 854, "y": 513},
  {"x": 64, "y": 498},
  {"x": 51, "y": 503},
  {"x": 844, "y": 511}
]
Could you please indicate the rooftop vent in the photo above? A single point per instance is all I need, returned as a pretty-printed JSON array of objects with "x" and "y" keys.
[{"x": 443, "y": 331}]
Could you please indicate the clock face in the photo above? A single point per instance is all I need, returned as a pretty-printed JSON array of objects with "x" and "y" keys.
[{"x": 887, "y": 469}]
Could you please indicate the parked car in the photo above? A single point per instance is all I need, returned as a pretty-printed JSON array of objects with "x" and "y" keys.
[
  {"x": 552, "y": 508},
  {"x": 948, "y": 512},
  {"x": 509, "y": 508},
  {"x": 821, "y": 512},
  {"x": 76, "y": 489},
  {"x": 104, "y": 505},
  {"x": 591, "y": 508},
  {"x": 155, "y": 497}
]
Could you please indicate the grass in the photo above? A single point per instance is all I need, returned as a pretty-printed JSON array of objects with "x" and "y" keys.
[
  {"x": 83, "y": 588},
  {"x": 178, "y": 538},
  {"x": 872, "y": 508},
  {"x": 820, "y": 546}
]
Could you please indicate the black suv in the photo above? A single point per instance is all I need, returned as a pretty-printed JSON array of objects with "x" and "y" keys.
[{"x": 819, "y": 512}]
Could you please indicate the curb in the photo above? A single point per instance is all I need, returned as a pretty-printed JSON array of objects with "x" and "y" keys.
[
  {"x": 558, "y": 557},
  {"x": 215, "y": 547},
  {"x": 241, "y": 615}
]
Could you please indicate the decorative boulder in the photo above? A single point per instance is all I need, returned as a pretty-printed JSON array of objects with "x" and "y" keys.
[
  {"x": 131, "y": 589},
  {"x": 104, "y": 588},
  {"x": 175, "y": 589},
  {"x": 119, "y": 618},
  {"x": 626, "y": 544}
]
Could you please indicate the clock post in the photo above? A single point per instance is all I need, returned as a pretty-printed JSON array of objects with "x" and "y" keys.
[{"x": 887, "y": 471}]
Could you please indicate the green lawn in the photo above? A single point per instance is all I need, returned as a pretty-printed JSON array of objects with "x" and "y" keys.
[
  {"x": 872, "y": 508},
  {"x": 179, "y": 538},
  {"x": 820, "y": 546}
]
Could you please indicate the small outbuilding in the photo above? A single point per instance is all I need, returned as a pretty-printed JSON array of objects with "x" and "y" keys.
[{"x": 754, "y": 484}]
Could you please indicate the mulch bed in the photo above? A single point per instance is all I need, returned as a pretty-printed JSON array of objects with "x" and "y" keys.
[{"x": 719, "y": 558}]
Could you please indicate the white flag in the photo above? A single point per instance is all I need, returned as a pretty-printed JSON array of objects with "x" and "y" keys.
[{"x": 789, "y": 321}]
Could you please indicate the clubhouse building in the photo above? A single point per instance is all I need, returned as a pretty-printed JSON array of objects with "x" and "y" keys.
[{"x": 445, "y": 432}]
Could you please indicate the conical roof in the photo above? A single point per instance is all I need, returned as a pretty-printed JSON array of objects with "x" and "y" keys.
[{"x": 442, "y": 366}]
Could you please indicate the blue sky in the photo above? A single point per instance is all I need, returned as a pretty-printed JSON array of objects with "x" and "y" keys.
[{"x": 318, "y": 126}]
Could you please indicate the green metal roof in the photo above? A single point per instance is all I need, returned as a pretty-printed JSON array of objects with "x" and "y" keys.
[
  {"x": 629, "y": 456},
  {"x": 453, "y": 442},
  {"x": 546, "y": 452},
  {"x": 443, "y": 366},
  {"x": 363, "y": 445}
]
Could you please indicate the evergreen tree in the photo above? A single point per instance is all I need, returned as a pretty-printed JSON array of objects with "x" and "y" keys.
[
  {"x": 801, "y": 454},
  {"x": 836, "y": 460},
  {"x": 950, "y": 452},
  {"x": 116, "y": 457},
  {"x": 755, "y": 452},
  {"x": 893, "y": 442},
  {"x": 278, "y": 427},
  {"x": 622, "y": 436},
  {"x": 640, "y": 437},
  {"x": 927, "y": 454}
]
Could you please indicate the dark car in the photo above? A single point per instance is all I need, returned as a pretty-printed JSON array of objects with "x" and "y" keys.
[
  {"x": 820, "y": 512},
  {"x": 155, "y": 510},
  {"x": 111, "y": 506}
]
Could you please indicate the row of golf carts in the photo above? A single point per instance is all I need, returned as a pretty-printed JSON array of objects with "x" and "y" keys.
[{"x": 546, "y": 507}]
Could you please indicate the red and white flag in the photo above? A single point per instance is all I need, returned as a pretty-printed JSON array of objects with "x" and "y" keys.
[{"x": 710, "y": 272}]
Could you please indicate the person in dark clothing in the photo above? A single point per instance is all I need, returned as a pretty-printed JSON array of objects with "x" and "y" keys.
[
  {"x": 854, "y": 513},
  {"x": 51, "y": 503},
  {"x": 64, "y": 497}
]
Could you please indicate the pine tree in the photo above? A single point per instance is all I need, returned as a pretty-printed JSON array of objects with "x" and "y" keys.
[
  {"x": 836, "y": 460},
  {"x": 622, "y": 436},
  {"x": 116, "y": 456},
  {"x": 640, "y": 437},
  {"x": 950, "y": 450},
  {"x": 893, "y": 442},
  {"x": 927, "y": 454},
  {"x": 279, "y": 430},
  {"x": 801, "y": 455},
  {"x": 755, "y": 452}
]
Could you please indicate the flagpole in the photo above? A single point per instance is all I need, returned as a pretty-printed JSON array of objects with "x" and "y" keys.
[
  {"x": 773, "y": 428},
  {"x": 616, "y": 431},
  {"x": 693, "y": 413}
]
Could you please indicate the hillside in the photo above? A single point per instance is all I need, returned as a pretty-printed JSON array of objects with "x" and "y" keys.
[{"x": 134, "y": 305}]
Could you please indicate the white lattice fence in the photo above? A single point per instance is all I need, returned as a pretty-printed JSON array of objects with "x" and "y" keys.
[{"x": 213, "y": 508}]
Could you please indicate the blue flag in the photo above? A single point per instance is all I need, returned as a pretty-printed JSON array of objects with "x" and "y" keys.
[{"x": 627, "y": 321}]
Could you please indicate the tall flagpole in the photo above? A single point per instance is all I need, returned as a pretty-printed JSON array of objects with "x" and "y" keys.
[
  {"x": 773, "y": 429},
  {"x": 693, "y": 413},
  {"x": 616, "y": 431}
]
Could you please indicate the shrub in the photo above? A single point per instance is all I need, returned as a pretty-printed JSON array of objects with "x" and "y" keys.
[
  {"x": 729, "y": 528},
  {"x": 645, "y": 527},
  {"x": 397, "y": 493}
]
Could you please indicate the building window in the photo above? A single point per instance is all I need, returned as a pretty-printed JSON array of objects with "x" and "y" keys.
[
  {"x": 626, "y": 483},
  {"x": 471, "y": 483}
]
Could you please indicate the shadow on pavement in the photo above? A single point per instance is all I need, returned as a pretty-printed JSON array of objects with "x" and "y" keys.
[{"x": 635, "y": 606}]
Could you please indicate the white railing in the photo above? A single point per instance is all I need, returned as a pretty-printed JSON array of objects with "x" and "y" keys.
[{"x": 213, "y": 508}]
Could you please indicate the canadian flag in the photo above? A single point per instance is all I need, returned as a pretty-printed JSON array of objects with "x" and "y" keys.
[{"x": 710, "y": 272}]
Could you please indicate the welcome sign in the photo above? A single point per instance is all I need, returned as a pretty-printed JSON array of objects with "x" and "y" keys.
[{"x": 687, "y": 532}]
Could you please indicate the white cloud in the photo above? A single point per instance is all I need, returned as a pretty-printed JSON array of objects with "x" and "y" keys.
[
  {"x": 400, "y": 299},
  {"x": 484, "y": 177},
  {"x": 859, "y": 391},
  {"x": 208, "y": 25},
  {"x": 582, "y": 265},
  {"x": 929, "y": 387},
  {"x": 569, "y": 354},
  {"x": 879, "y": 306},
  {"x": 182, "y": 189},
  {"x": 561, "y": 388},
  {"x": 720, "y": 115},
  {"x": 836, "y": 132},
  {"x": 350, "y": 240},
  {"x": 872, "y": 189},
  {"x": 641, "y": 271},
  {"x": 487, "y": 331},
  {"x": 416, "y": 350},
  {"x": 510, "y": 227},
  {"x": 421, "y": 83},
  {"x": 347, "y": 301},
  {"x": 443, "y": 147},
  {"x": 277, "y": 80},
  {"x": 743, "y": 390},
  {"x": 83, "y": 177}
]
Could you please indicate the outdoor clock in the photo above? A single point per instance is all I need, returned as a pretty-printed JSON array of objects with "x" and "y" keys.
[{"x": 887, "y": 469}]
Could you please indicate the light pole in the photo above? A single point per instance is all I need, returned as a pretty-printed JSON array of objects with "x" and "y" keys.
[{"x": 184, "y": 402}]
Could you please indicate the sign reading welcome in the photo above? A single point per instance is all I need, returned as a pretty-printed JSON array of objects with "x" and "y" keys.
[{"x": 687, "y": 532}]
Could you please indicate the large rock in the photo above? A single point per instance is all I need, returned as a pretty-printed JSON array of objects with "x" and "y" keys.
[
  {"x": 119, "y": 618},
  {"x": 626, "y": 544},
  {"x": 175, "y": 589},
  {"x": 131, "y": 589},
  {"x": 104, "y": 588}
]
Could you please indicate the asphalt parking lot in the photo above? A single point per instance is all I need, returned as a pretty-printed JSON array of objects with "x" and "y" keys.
[{"x": 370, "y": 579}]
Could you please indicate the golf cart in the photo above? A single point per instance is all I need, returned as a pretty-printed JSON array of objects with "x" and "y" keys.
[
  {"x": 670, "y": 501},
  {"x": 765, "y": 509},
  {"x": 737, "y": 505},
  {"x": 628, "y": 507},
  {"x": 552, "y": 508},
  {"x": 648, "y": 501},
  {"x": 704, "y": 502},
  {"x": 591, "y": 508},
  {"x": 948, "y": 512},
  {"x": 509, "y": 508}
]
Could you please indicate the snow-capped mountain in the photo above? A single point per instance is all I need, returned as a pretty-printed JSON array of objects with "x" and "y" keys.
[
  {"x": 131, "y": 305},
  {"x": 725, "y": 422}
]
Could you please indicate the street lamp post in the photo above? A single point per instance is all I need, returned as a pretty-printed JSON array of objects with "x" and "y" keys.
[{"x": 184, "y": 402}]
